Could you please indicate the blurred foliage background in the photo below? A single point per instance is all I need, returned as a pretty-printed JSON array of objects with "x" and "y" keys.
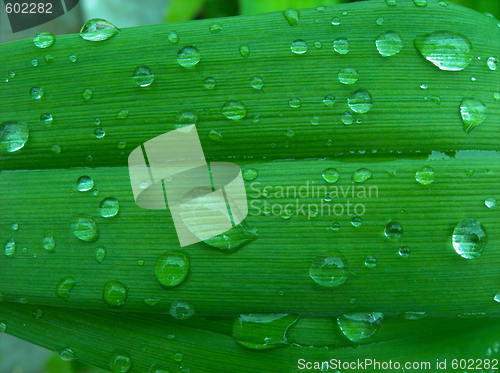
[{"x": 17, "y": 356}]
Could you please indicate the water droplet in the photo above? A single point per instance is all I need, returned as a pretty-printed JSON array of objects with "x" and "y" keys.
[
  {"x": 447, "y": 50},
  {"x": 370, "y": 261},
  {"x": 84, "y": 183},
  {"x": 335, "y": 226},
  {"x": 14, "y": 226},
  {"x": 336, "y": 21},
  {"x": 143, "y": 76},
  {"x": 347, "y": 118},
  {"x": 215, "y": 135},
  {"x": 66, "y": 354},
  {"x": 64, "y": 286},
  {"x": 290, "y": 133},
  {"x": 496, "y": 96},
  {"x": 209, "y": 83},
  {"x": 178, "y": 356},
  {"x": 358, "y": 327},
  {"x": 36, "y": 93},
  {"x": 98, "y": 29},
  {"x": 73, "y": 58},
  {"x": 496, "y": 298},
  {"x": 181, "y": 309},
  {"x": 44, "y": 39},
  {"x": 360, "y": 101},
  {"x": 413, "y": 315},
  {"x": 379, "y": 21},
  {"x": 469, "y": 238},
  {"x": 404, "y": 251},
  {"x": 173, "y": 38},
  {"x": 99, "y": 133},
  {"x": 100, "y": 254},
  {"x": 492, "y": 63},
  {"x": 348, "y": 75},
  {"x": 87, "y": 94},
  {"x": 388, "y": 44},
  {"x": 122, "y": 114},
  {"x": 46, "y": 119},
  {"x": 341, "y": 46},
  {"x": 473, "y": 113},
  {"x": 215, "y": 28},
  {"x": 421, "y": 3},
  {"x": 3, "y": 327},
  {"x": 292, "y": 16},
  {"x": 109, "y": 207},
  {"x": 37, "y": 314},
  {"x": 318, "y": 45},
  {"x": 361, "y": 175},
  {"x": 262, "y": 331},
  {"x": 329, "y": 269},
  {"x": 393, "y": 230},
  {"x": 295, "y": 103},
  {"x": 490, "y": 202},
  {"x": 140, "y": 262},
  {"x": 10, "y": 247},
  {"x": 84, "y": 228},
  {"x": 234, "y": 110},
  {"x": 257, "y": 83},
  {"x": 120, "y": 362},
  {"x": 244, "y": 51},
  {"x": 114, "y": 293},
  {"x": 298, "y": 47},
  {"x": 250, "y": 174},
  {"x": 329, "y": 100},
  {"x": 171, "y": 268},
  {"x": 233, "y": 239},
  {"x": 442, "y": 3},
  {"x": 356, "y": 221},
  {"x": 122, "y": 144},
  {"x": 425, "y": 175},
  {"x": 49, "y": 59},
  {"x": 188, "y": 56},
  {"x": 330, "y": 175},
  {"x": 49, "y": 243}
]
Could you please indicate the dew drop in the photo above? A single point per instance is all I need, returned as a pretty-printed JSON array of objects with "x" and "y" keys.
[
  {"x": 209, "y": 83},
  {"x": 347, "y": 118},
  {"x": 356, "y": 221},
  {"x": 348, "y": 75},
  {"x": 473, "y": 113},
  {"x": 244, "y": 51},
  {"x": 358, "y": 327},
  {"x": 492, "y": 63},
  {"x": 188, "y": 56},
  {"x": 257, "y": 83},
  {"x": 114, "y": 293},
  {"x": 290, "y": 133},
  {"x": 215, "y": 135},
  {"x": 469, "y": 238},
  {"x": 173, "y": 38},
  {"x": 379, "y": 21},
  {"x": 234, "y": 110},
  {"x": 425, "y": 175},
  {"x": 73, "y": 58},
  {"x": 84, "y": 228},
  {"x": 143, "y": 76},
  {"x": 64, "y": 286},
  {"x": 120, "y": 362},
  {"x": 215, "y": 28},
  {"x": 46, "y": 119},
  {"x": 49, "y": 59},
  {"x": 49, "y": 243},
  {"x": 292, "y": 16},
  {"x": 87, "y": 94},
  {"x": 100, "y": 254},
  {"x": 298, "y": 47},
  {"x": 109, "y": 207},
  {"x": 295, "y": 103},
  {"x": 361, "y": 175},
  {"x": 420, "y": 3},
  {"x": 13, "y": 136},
  {"x": 335, "y": 226},
  {"x": 413, "y": 315},
  {"x": 330, "y": 175},
  {"x": 37, "y": 314},
  {"x": 99, "y": 133},
  {"x": 171, "y": 268},
  {"x": 393, "y": 230},
  {"x": 34, "y": 62},
  {"x": 496, "y": 298},
  {"x": 447, "y": 50},
  {"x": 370, "y": 261},
  {"x": 181, "y": 309},
  {"x": 336, "y": 21},
  {"x": 404, "y": 251},
  {"x": 318, "y": 45},
  {"x": 10, "y": 247},
  {"x": 250, "y": 174},
  {"x": 360, "y": 101},
  {"x": 388, "y": 44},
  {"x": 36, "y": 93},
  {"x": 231, "y": 240},
  {"x": 98, "y": 29},
  {"x": 329, "y": 100},
  {"x": 341, "y": 46},
  {"x": 490, "y": 202},
  {"x": 84, "y": 183},
  {"x": 122, "y": 114},
  {"x": 329, "y": 269},
  {"x": 44, "y": 39},
  {"x": 3, "y": 327}
]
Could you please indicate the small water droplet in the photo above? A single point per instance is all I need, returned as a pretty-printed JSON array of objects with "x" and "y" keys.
[
  {"x": 188, "y": 56},
  {"x": 3, "y": 327},
  {"x": 388, "y": 44},
  {"x": 181, "y": 309},
  {"x": 244, "y": 51},
  {"x": 425, "y": 175},
  {"x": 44, "y": 39},
  {"x": 329, "y": 269},
  {"x": 99, "y": 133},
  {"x": 393, "y": 230},
  {"x": 46, "y": 119},
  {"x": 36, "y": 93},
  {"x": 442, "y": 3},
  {"x": 490, "y": 202},
  {"x": 122, "y": 144},
  {"x": 361, "y": 175},
  {"x": 420, "y": 3},
  {"x": 100, "y": 254},
  {"x": 298, "y": 47},
  {"x": 250, "y": 174},
  {"x": 215, "y": 135},
  {"x": 347, "y": 118},
  {"x": 209, "y": 83},
  {"x": 496, "y": 298},
  {"x": 330, "y": 175},
  {"x": 404, "y": 251},
  {"x": 49, "y": 243},
  {"x": 469, "y": 238},
  {"x": 215, "y": 28},
  {"x": 114, "y": 293},
  {"x": 122, "y": 114},
  {"x": 295, "y": 103},
  {"x": 358, "y": 327},
  {"x": 335, "y": 226},
  {"x": 360, "y": 101},
  {"x": 318, "y": 45},
  {"x": 49, "y": 59},
  {"x": 143, "y": 76},
  {"x": 84, "y": 228},
  {"x": 341, "y": 46},
  {"x": 173, "y": 37},
  {"x": 98, "y": 29},
  {"x": 370, "y": 261},
  {"x": 492, "y": 63},
  {"x": 257, "y": 82},
  {"x": 292, "y": 16},
  {"x": 348, "y": 75},
  {"x": 329, "y": 100},
  {"x": 109, "y": 207},
  {"x": 66, "y": 354},
  {"x": 473, "y": 113},
  {"x": 356, "y": 221},
  {"x": 234, "y": 110},
  {"x": 413, "y": 315},
  {"x": 37, "y": 314},
  {"x": 120, "y": 362},
  {"x": 10, "y": 247},
  {"x": 379, "y": 21},
  {"x": 64, "y": 286},
  {"x": 447, "y": 50},
  {"x": 84, "y": 183},
  {"x": 178, "y": 356},
  {"x": 290, "y": 133},
  {"x": 171, "y": 268},
  {"x": 14, "y": 226},
  {"x": 336, "y": 21},
  {"x": 87, "y": 94},
  {"x": 73, "y": 58}
]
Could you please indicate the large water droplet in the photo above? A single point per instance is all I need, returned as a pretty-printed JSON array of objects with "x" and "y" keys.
[
  {"x": 393, "y": 230},
  {"x": 10, "y": 247},
  {"x": 114, "y": 293},
  {"x": 84, "y": 183},
  {"x": 358, "y": 327},
  {"x": 262, "y": 331},
  {"x": 348, "y": 75},
  {"x": 64, "y": 286},
  {"x": 473, "y": 113},
  {"x": 44, "y": 39},
  {"x": 98, "y": 29},
  {"x": 188, "y": 56},
  {"x": 360, "y": 101},
  {"x": 292, "y": 16},
  {"x": 447, "y": 50},
  {"x": 172, "y": 268},
  {"x": 120, "y": 362},
  {"x": 329, "y": 269},
  {"x": 13, "y": 136},
  {"x": 388, "y": 44},
  {"x": 84, "y": 228},
  {"x": 298, "y": 47},
  {"x": 341, "y": 46},
  {"x": 361, "y": 175},
  {"x": 109, "y": 207},
  {"x": 330, "y": 175},
  {"x": 66, "y": 354},
  {"x": 143, "y": 76},
  {"x": 181, "y": 309},
  {"x": 469, "y": 238},
  {"x": 233, "y": 239},
  {"x": 425, "y": 175},
  {"x": 234, "y": 110}
]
